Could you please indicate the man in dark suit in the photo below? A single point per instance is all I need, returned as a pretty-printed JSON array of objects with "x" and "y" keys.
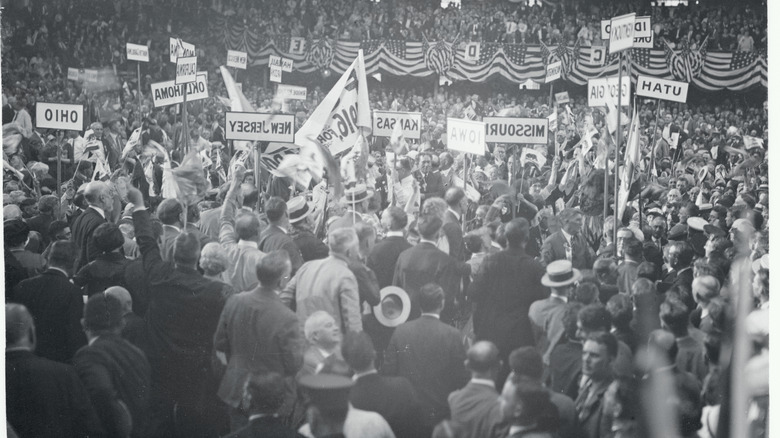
[
  {"x": 430, "y": 354},
  {"x": 453, "y": 221},
  {"x": 275, "y": 235},
  {"x": 568, "y": 243},
  {"x": 183, "y": 313},
  {"x": 171, "y": 214},
  {"x": 115, "y": 373},
  {"x": 547, "y": 315},
  {"x": 598, "y": 352},
  {"x": 476, "y": 406},
  {"x": 392, "y": 397},
  {"x": 48, "y": 206},
  {"x": 100, "y": 204},
  {"x": 256, "y": 321},
  {"x": 431, "y": 184},
  {"x": 43, "y": 397},
  {"x": 384, "y": 255},
  {"x": 266, "y": 394},
  {"x": 680, "y": 256},
  {"x": 56, "y": 305},
  {"x": 424, "y": 263},
  {"x": 504, "y": 288}
]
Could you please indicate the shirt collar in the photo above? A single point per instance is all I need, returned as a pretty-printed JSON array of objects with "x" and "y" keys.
[
  {"x": 560, "y": 297},
  {"x": 247, "y": 243},
  {"x": 99, "y": 210},
  {"x": 486, "y": 382},
  {"x": 433, "y": 315},
  {"x": 54, "y": 268},
  {"x": 178, "y": 230},
  {"x": 283, "y": 230},
  {"x": 566, "y": 235},
  {"x": 427, "y": 241},
  {"x": 92, "y": 341},
  {"x": 359, "y": 375},
  {"x": 394, "y": 234},
  {"x": 457, "y": 215}
]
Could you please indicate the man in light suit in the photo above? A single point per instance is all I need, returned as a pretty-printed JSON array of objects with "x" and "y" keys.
[
  {"x": 430, "y": 354},
  {"x": 431, "y": 183},
  {"x": 476, "y": 406},
  {"x": 567, "y": 243},
  {"x": 100, "y": 204}
]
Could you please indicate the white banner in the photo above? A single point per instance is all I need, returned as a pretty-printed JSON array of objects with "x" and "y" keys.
[
  {"x": 292, "y": 92},
  {"x": 601, "y": 89},
  {"x": 552, "y": 121},
  {"x": 553, "y": 71},
  {"x": 287, "y": 65},
  {"x": 276, "y": 74},
  {"x": 260, "y": 127},
  {"x": 621, "y": 33},
  {"x": 59, "y": 116},
  {"x": 188, "y": 49},
  {"x": 385, "y": 122},
  {"x": 562, "y": 97},
  {"x": 137, "y": 52},
  {"x": 343, "y": 115},
  {"x": 598, "y": 54},
  {"x": 186, "y": 69},
  {"x": 73, "y": 74},
  {"x": 168, "y": 93},
  {"x": 643, "y": 32},
  {"x": 91, "y": 75},
  {"x": 472, "y": 52},
  {"x": 237, "y": 59},
  {"x": 297, "y": 45},
  {"x": 516, "y": 130},
  {"x": 466, "y": 136},
  {"x": 664, "y": 89}
]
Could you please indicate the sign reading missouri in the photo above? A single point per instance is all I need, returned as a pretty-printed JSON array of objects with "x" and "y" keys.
[
  {"x": 386, "y": 121},
  {"x": 168, "y": 93},
  {"x": 260, "y": 127},
  {"x": 649, "y": 86},
  {"x": 516, "y": 130}
]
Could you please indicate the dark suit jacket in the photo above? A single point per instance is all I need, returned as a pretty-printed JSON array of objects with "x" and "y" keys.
[
  {"x": 56, "y": 306},
  {"x": 384, "y": 256},
  {"x": 430, "y": 354},
  {"x": 46, "y": 399},
  {"x": 504, "y": 288},
  {"x": 40, "y": 223},
  {"x": 431, "y": 185},
  {"x": 554, "y": 248},
  {"x": 423, "y": 264},
  {"x": 265, "y": 427},
  {"x": 394, "y": 399},
  {"x": 476, "y": 407},
  {"x": 105, "y": 271},
  {"x": 594, "y": 421},
  {"x": 169, "y": 237},
  {"x": 117, "y": 377},
  {"x": 83, "y": 227},
  {"x": 566, "y": 368},
  {"x": 273, "y": 238},
  {"x": 453, "y": 230},
  {"x": 310, "y": 246}
]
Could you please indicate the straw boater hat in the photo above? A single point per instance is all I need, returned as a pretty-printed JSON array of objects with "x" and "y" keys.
[
  {"x": 394, "y": 306},
  {"x": 696, "y": 223},
  {"x": 560, "y": 273},
  {"x": 357, "y": 194},
  {"x": 298, "y": 209}
]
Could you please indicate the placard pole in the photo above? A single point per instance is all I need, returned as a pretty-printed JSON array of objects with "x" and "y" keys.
[
  {"x": 60, "y": 136},
  {"x": 140, "y": 99},
  {"x": 549, "y": 101},
  {"x": 465, "y": 184},
  {"x": 185, "y": 123},
  {"x": 653, "y": 165},
  {"x": 617, "y": 148}
]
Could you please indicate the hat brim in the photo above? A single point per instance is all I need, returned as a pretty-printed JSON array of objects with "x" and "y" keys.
[
  {"x": 368, "y": 195},
  {"x": 713, "y": 230},
  {"x": 304, "y": 216},
  {"x": 406, "y": 306},
  {"x": 575, "y": 277}
]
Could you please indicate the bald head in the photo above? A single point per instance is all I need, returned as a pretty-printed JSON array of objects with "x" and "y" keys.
[
  {"x": 97, "y": 195},
  {"x": 705, "y": 288},
  {"x": 123, "y": 296},
  {"x": 19, "y": 327},
  {"x": 482, "y": 358},
  {"x": 453, "y": 196},
  {"x": 247, "y": 227}
]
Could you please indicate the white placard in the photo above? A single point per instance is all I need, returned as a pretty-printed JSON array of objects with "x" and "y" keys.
[
  {"x": 297, "y": 45},
  {"x": 385, "y": 122},
  {"x": 189, "y": 49},
  {"x": 664, "y": 89},
  {"x": 274, "y": 61},
  {"x": 236, "y": 59},
  {"x": 292, "y": 92},
  {"x": 621, "y": 33},
  {"x": 472, "y": 52},
  {"x": 137, "y": 52},
  {"x": 552, "y": 120},
  {"x": 260, "y": 127},
  {"x": 466, "y": 136},
  {"x": 73, "y": 74},
  {"x": 516, "y": 130},
  {"x": 601, "y": 89},
  {"x": 642, "y": 28},
  {"x": 562, "y": 97},
  {"x": 598, "y": 54},
  {"x": 553, "y": 71},
  {"x": 59, "y": 116},
  {"x": 287, "y": 65},
  {"x": 186, "y": 69},
  {"x": 276, "y": 74},
  {"x": 91, "y": 75},
  {"x": 168, "y": 93}
]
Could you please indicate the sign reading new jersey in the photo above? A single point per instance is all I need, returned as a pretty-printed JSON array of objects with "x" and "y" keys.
[
  {"x": 236, "y": 59},
  {"x": 516, "y": 130},
  {"x": 602, "y": 89},
  {"x": 621, "y": 33},
  {"x": 553, "y": 71},
  {"x": 186, "y": 69},
  {"x": 292, "y": 92},
  {"x": 643, "y": 32},
  {"x": 186, "y": 48},
  {"x": 466, "y": 136},
  {"x": 168, "y": 93},
  {"x": 649, "y": 86},
  {"x": 59, "y": 116},
  {"x": 386, "y": 121},
  {"x": 260, "y": 127},
  {"x": 137, "y": 52}
]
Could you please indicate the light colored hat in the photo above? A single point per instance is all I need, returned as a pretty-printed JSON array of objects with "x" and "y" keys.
[
  {"x": 560, "y": 273},
  {"x": 298, "y": 209},
  {"x": 394, "y": 306},
  {"x": 743, "y": 225},
  {"x": 696, "y": 223},
  {"x": 357, "y": 194}
]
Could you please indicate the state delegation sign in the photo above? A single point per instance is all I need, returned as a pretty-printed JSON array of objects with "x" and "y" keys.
[
  {"x": 643, "y": 32},
  {"x": 553, "y": 71},
  {"x": 292, "y": 92},
  {"x": 137, "y": 52},
  {"x": 168, "y": 93},
  {"x": 187, "y": 49},
  {"x": 260, "y": 127},
  {"x": 386, "y": 121},
  {"x": 664, "y": 89},
  {"x": 602, "y": 89},
  {"x": 236, "y": 59},
  {"x": 59, "y": 116},
  {"x": 466, "y": 136},
  {"x": 186, "y": 69},
  {"x": 516, "y": 130},
  {"x": 621, "y": 33}
]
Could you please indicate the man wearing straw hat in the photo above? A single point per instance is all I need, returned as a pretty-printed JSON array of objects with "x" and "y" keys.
[
  {"x": 547, "y": 315},
  {"x": 356, "y": 199}
]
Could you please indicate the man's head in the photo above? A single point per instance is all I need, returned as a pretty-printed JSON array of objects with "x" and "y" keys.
[
  {"x": 97, "y": 127},
  {"x": 516, "y": 232},
  {"x": 403, "y": 166},
  {"x": 598, "y": 352},
  {"x": 276, "y": 211},
  {"x": 431, "y": 298},
  {"x": 679, "y": 254},
  {"x": 394, "y": 219},
  {"x": 445, "y": 160},
  {"x": 213, "y": 259},
  {"x": 320, "y": 329},
  {"x": 425, "y": 162},
  {"x": 19, "y": 327},
  {"x": 621, "y": 311},
  {"x": 705, "y": 289},
  {"x": 527, "y": 362},
  {"x": 343, "y": 241},
  {"x": 606, "y": 270},
  {"x": 674, "y": 316},
  {"x": 61, "y": 255},
  {"x": 358, "y": 351},
  {"x": 482, "y": 360},
  {"x": 48, "y": 205},
  {"x": 274, "y": 269},
  {"x": 456, "y": 199},
  {"x": 97, "y": 195},
  {"x": 658, "y": 225},
  {"x": 593, "y": 319},
  {"x": 123, "y": 296},
  {"x": 571, "y": 220},
  {"x": 108, "y": 237},
  {"x": 429, "y": 225},
  {"x": 499, "y": 152},
  {"x": 633, "y": 249},
  {"x": 264, "y": 392},
  {"x": 170, "y": 212},
  {"x": 102, "y": 314},
  {"x": 247, "y": 227},
  {"x": 186, "y": 250}
]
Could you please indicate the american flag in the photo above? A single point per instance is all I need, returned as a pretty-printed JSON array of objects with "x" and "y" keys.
[
  {"x": 282, "y": 42},
  {"x": 396, "y": 48},
  {"x": 545, "y": 51},
  {"x": 370, "y": 46},
  {"x": 640, "y": 57},
  {"x": 486, "y": 52},
  {"x": 742, "y": 59},
  {"x": 516, "y": 53}
]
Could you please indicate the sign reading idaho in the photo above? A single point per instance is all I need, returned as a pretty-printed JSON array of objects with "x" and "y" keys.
[
  {"x": 466, "y": 136},
  {"x": 59, "y": 116},
  {"x": 643, "y": 32},
  {"x": 260, "y": 127},
  {"x": 515, "y": 130},
  {"x": 386, "y": 121}
]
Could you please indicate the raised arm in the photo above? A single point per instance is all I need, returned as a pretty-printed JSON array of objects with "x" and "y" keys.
[
  {"x": 227, "y": 218},
  {"x": 154, "y": 266}
]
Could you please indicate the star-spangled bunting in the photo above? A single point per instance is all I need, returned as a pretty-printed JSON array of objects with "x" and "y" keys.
[
  {"x": 282, "y": 42},
  {"x": 516, "y": 53},
  {"x": 370, "y": 46},
  {"x": 641, "y": 57},
  {"x": 545, "y": 54},
  {"x": 486, "y": 52},
  {"x": 396, "y": 48},
  {"x": 742, "y": 59}
]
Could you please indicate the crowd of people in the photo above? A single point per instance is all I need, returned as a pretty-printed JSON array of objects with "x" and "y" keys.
[{"x": 439, "y": 295}]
